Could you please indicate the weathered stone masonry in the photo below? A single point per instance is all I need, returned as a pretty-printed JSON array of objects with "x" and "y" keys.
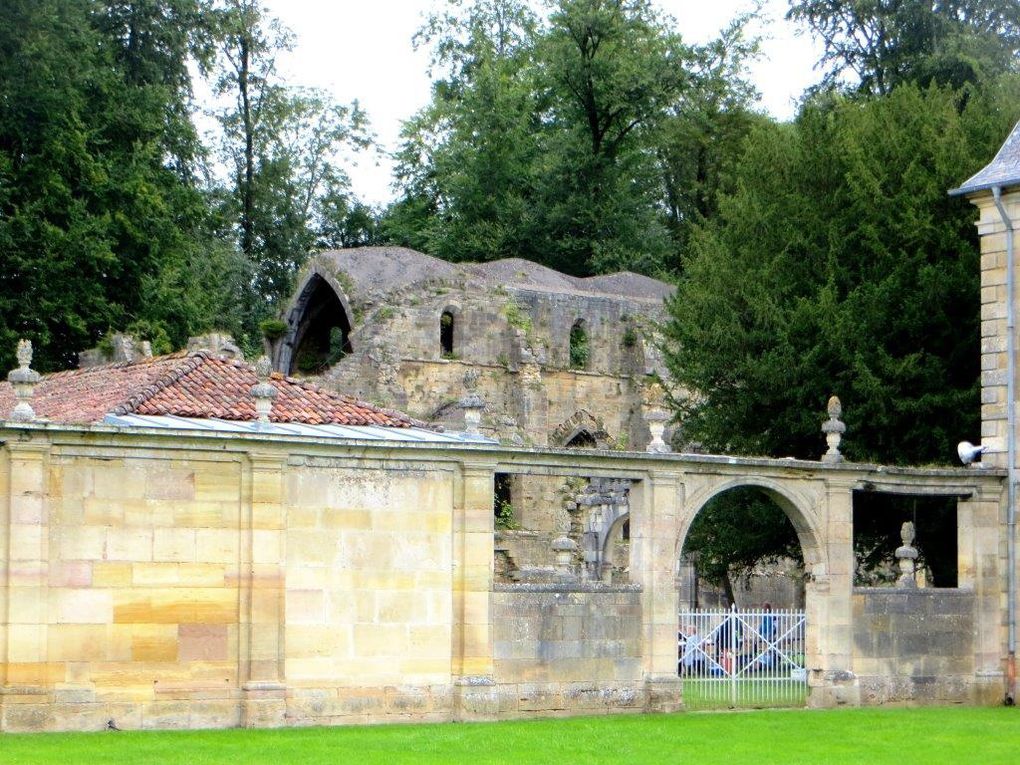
[{"x": 175, "y": 579}]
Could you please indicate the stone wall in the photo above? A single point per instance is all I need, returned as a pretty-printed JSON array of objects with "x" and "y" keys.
[
  {"x": 167, "y": 588},
  {"x": 916, "y": 646},
  {"x": 567, "y": 648},
  {"x": 136, "y": 617},
  {"x": 368, "y": 583},
  {"x": 205, "y": 579},
  {"x": 397, "y": 360}
]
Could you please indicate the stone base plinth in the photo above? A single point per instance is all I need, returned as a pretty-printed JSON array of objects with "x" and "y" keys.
[{"x": 263, "y": 705}]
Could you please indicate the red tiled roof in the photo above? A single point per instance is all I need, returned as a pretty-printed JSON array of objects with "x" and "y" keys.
[{"x": 199, "y": 385}]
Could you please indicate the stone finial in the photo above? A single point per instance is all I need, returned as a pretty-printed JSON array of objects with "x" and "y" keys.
[
  {"x": 656, "y": 420},
  {"x": 906, "y": 555},
  {"x": 23, "y": 380},
  {"x": 146, "y": 348},
  {"x": 564, "y": 548},
  {"x": 833, "y": 428},
  {"x": 263, "y": 390},
  {"x": 472, "y": 404}
]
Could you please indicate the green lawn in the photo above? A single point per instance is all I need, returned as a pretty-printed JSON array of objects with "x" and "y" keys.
[
  {"x": 751, "y": 693},
  {"x": 873, "y": 736}
]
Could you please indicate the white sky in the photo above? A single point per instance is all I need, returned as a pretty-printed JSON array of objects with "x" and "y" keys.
[{"x": 359, "y": 49}]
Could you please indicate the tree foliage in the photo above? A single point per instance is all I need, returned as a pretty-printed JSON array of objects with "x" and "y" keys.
[
  {"x": 841, "y": 266},
  {"x": 98, "y": 202},
  {"x": 281, "y": 145},
  {"x": 565, "y": 139},
  {"x": 111, "y": 214},
  {"x": 885, "y": 43}
]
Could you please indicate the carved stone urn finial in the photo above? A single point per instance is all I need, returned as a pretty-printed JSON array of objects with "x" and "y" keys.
[
  {"x": 656, "y": 420},
  {"x": 263, "y": 391},
  {"x": 833, "y": 428},
  {"x": 23, "y": 380},
  {"x": 472, "y": 404},
  {"x": 907, "y": 555}
]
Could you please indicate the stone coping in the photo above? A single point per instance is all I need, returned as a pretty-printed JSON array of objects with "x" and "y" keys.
[
  {"x": 565, "y": 587},
  {"x": 957, "y": 592},
  {"x": 589, "y": 459}
]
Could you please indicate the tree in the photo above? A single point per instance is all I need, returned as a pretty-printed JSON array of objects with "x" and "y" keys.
[
  {"x": 98, "y": 203},
  {"x": 282, "y": 146},
  {"x": 884, "y": 43},
  {"x": 612, "y": 69},
  {"x": 468, "y": 159},
  {"x": 701, "y": 141},
  {"x": 841, "y": 266},
  {"x": 551, "y": 139}
]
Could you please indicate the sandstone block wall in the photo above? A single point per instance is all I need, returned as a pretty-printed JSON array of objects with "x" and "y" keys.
[
  {"x": 135, "y": 614},
  {"x": 559, "y": 649},
  {"x": 916, "y": 646},
  {"x": 368, "y": 591}
]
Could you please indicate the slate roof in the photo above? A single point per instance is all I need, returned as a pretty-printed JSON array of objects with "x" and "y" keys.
[
  {"x": 194, "y": 385},
  {"x": 1002, "y": 171}
]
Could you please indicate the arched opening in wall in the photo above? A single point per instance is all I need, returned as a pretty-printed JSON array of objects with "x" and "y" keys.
[
  {"x": 579, "y": 348},
  {"x": 322, "y": 336},
  {"x": 741, "y": 622},
  {"x": 446, "y": 327},
  {"x": 582, "y": 440},
  {"x": 881, "y": 541},
  {"x": 745, "y": 551}
]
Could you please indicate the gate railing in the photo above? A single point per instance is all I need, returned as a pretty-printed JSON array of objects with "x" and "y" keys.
[{"x": 742, "y": 658}]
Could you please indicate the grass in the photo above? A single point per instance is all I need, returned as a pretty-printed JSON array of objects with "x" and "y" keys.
[
  {"x": 752, "y": 693},
  {"x": 930, "y": 735}
]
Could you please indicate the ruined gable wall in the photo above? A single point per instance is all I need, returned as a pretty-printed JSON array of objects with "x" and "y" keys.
[{"x": 398, "y": 361}]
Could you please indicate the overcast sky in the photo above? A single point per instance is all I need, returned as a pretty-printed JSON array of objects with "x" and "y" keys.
[{"x": 361, "y": 49}]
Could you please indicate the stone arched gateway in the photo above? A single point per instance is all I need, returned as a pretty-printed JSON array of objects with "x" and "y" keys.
[{"x": 802, "y": 505}]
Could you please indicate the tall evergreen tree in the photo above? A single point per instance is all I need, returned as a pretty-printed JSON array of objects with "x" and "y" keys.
[
  {"x": 841, "y": 266},
  {"x": 97, "y": 201}
]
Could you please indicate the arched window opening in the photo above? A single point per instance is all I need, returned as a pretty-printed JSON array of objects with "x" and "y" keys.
[
  {"x": 579, "y": 350},
  {"x": 446, "y": 322},
  {"x": 582, "y": 440},
  {"x": 323, "y": 332}
]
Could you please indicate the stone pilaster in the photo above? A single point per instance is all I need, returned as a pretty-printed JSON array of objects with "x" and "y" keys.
[
  {"x": 655, "y": 508},
  {"x": 473, "y": 533},
  {"x": 993, "y": 320},
  {"x": 263, "y": 620},
  {"x": 27, "y": 676},
  {"x": 829, "y": 606}
]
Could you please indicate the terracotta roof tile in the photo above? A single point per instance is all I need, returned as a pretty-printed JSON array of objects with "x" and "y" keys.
[{"x": 199, "y": 385}]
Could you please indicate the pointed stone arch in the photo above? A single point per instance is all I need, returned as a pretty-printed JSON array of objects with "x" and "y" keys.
[
  {"x": 580, "y": 423},
  {"x": 320, "y": 304}
]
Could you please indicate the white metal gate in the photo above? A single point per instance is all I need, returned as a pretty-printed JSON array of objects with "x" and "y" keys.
[{"x": 745, "y": 658}]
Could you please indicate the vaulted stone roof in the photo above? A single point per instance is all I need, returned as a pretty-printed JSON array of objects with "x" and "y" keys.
[
  {"x": 194, "y": 385},
  {"x": 386, "y": 269},
  {"x": 1002, "y": 171}
]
